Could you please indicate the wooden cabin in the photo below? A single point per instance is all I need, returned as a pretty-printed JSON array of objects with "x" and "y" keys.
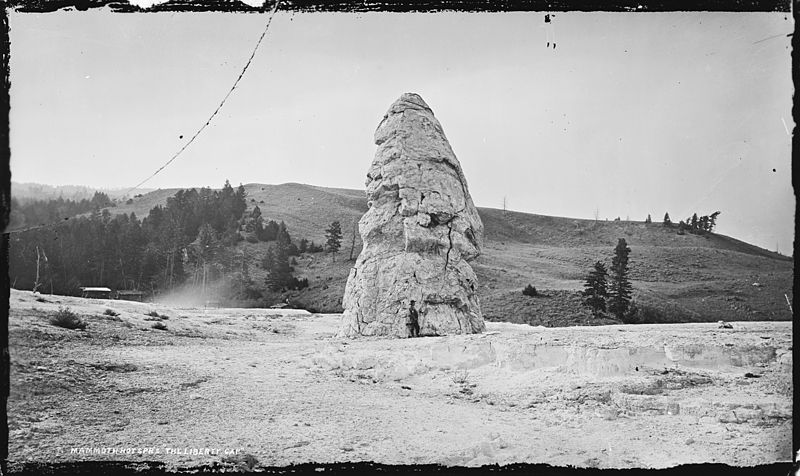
[{"x": 95, "y": 292}]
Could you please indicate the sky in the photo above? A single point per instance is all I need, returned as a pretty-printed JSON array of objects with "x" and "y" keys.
[{"x": 630, "y": 114}]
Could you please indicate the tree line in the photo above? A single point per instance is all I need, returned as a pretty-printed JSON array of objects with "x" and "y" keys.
[{"x": 694, "y": 224}]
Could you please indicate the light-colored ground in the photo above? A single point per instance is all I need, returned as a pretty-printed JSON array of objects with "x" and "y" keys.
[{"x": 277, "y": 385}]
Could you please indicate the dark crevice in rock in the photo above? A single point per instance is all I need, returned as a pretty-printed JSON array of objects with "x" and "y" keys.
[{"x": 450, "y": 239}]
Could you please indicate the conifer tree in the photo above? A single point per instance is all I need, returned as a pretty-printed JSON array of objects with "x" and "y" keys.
[
  {"x": 620, "y": 289},
  {"x": 276, "y": 262},
  {"x": 712, "y": 220},
  {"x": 334, "y": 237},
  {"x": 596, "y": 289}
]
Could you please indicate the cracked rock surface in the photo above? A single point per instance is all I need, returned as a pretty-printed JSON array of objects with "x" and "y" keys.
[{"x": 419, "y": 234}]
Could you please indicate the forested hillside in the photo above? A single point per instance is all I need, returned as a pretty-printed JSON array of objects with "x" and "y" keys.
[{"x": 100, "y": 248}]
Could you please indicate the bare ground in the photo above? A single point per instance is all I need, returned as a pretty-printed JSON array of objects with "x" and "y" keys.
[{"x": 276, "y": 384}]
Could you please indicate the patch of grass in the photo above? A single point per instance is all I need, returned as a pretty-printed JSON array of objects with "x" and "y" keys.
[
  {"x": 551, "y": 308},
  {"x": 193, "y": 384},
  {"x": 116, "y": 367},
  {"x": 67, "y": 319},
  {"x": 658, "y": 313},
  {"x": 110, "y": 312},
  {"x": 189, "y": 334},
  {"x": 159, "y": 326}
]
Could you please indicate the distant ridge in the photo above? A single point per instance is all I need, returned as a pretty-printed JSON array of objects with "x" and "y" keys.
[{"x": 29, "y": 191}]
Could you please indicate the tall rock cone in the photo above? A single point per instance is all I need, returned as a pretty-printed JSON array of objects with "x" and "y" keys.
[{"x": 419, "y": 234}]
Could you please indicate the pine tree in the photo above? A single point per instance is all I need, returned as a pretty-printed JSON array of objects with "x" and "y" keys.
[
  {"x": 334, "y": 237},
  {"x": 703, "y": 223},
  {"x": 596, "y": 289},
  {"x": 276, "y": 262},
  {"x": 648, "y": 219},
  {"x": 667, "y": 221},
  {"x": 239, "y": 202},
  {"x": 284, "y": 241},
  {"x": 207, "y": 247},
  {"x": 620, "y": 289},
  {"x": 712, "y": 220}
]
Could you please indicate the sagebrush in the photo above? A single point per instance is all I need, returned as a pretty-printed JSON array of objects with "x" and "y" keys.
[
  {"x": 530, "y": 291},
  {"x": 67, "y": 319}
]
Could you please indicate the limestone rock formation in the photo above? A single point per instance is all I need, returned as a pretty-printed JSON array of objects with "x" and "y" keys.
[{"x": 419, "y": 233}]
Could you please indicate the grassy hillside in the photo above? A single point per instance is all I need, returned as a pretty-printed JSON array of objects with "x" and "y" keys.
[
  {"x": 307, "y": 210},
  {"x": 684, "y": 277}
]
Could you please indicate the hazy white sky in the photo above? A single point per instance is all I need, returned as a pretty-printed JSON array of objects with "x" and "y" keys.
[{"x": 630, "y": 114}]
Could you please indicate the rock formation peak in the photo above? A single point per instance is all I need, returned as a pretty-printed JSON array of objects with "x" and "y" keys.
[{"x": 419, "y": 234}]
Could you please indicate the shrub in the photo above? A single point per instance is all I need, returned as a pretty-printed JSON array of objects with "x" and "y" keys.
[
  {"x": 152, "y": 314},
  {"x": 251, "y": 239},
  {"x": 67, "y": 319},
  {"x": 41, "y": 299},
  {"x": 530, "y": 291},
  {"x": 111, "y": 312},
  {"x": 460, "y": 377},
  {"x": 159, "y": 326}
]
